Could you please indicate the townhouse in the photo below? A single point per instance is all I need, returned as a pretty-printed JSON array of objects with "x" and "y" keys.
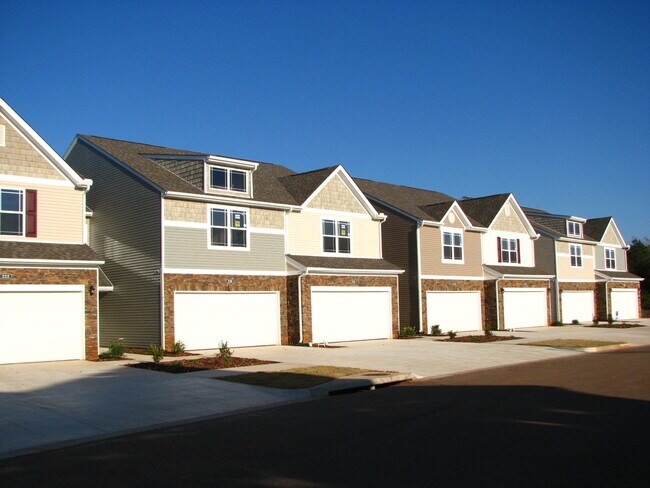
[
  {"x": 591, "y": 268},
  {"x": 49, "y": 276},
  {"x": 203, "y": 248}
]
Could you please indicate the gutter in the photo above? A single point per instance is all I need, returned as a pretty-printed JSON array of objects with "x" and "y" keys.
[{"x": 176, "y": 195}]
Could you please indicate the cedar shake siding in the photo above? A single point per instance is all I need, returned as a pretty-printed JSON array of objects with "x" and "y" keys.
[
  {"x": 125, "y": 231},
  {"x": 399, "y": 247}
]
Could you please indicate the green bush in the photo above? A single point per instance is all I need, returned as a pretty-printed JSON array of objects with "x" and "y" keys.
[
  {"x": 451, "y": 334},
  {"x": 436, "y": 330},
  {"x": 115, "y": 350},
  {"x": 595, "y": 321},
  {"x": 225, "y": 352},
  {"x": 610, "y": 319},
  {"x": 557, "y": 323},
  {"x": 157, "y": 352},
  {"x": 575, "y": 322},
  {"x": 178, "y": 347},
  {"x": 488, "y": 333},
  {"x": 408, "y": 331}
]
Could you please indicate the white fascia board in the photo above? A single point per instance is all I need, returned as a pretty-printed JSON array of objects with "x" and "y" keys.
[
  {"x": 43, "y": 147},
  {"x": 353, "y": 272},
  {"x": 295, "y": 264},
  {"x": 612, "y": 278},
  {"x": 522, "y": 216},
  {"x": 232, "y": 162},
  {"x": 575, "y": 240},
  {"x": 197, "y": 197},
  {"x": 528, "y": 277},
  {"x": 17, "y": 261},
  {"x": 459, "y": 211},
  {"x": 577, "y": 219},
  {"x": 617, "y": 231},
  {"x": 229, "y": 272}
]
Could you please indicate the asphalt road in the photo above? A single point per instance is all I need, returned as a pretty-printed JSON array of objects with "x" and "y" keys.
[{"x": 577, "y": 421}]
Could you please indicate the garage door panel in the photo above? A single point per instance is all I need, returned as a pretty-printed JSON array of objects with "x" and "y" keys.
[
  {"x": 577, "y": 305},
  {"x": 458, "y": 311},
  {"x": 342, "y": 314},
  {"x": 525, "y": 307},
  {"x": 41, "y": 326},
  {"x": 625, "y": 302},
  {"x": 203, "y": 320}
]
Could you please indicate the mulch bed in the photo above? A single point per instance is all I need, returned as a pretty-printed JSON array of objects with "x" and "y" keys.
[
  {"x": 201, "y": 364},
  {"x": 101, "y": 359},
  {"x": 147, "y": 352},
  {"x": 622, "y": 325},
  {"x": 481, "y": 338}
]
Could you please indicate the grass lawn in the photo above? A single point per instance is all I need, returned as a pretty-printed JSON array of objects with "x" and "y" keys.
[
  {"x": 572, "y": 343},
  {"x": 294, "y": 378}
]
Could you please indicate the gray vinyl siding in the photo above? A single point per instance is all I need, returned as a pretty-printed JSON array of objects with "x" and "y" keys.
[
  {"x": 545, "y": 262},
  {"x": 621, "y": 264},
  {"x": 188, "y": 248},
  {"x": 399, "y": 247},
  {"x": 125, "y": 231}
]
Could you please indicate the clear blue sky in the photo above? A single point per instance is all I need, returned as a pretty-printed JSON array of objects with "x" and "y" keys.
[{"x": 548, "y": 100}]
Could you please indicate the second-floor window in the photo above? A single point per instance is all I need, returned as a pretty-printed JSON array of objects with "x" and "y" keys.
[
  {"x": 575, "y": 252},
  {"x": 508, "y": 250},
  {"x": 12, "y": 212},
  {"x": 228, "y": 179},
  {"x": 228, "y": 227},
  {"x": 336, "y": 236},
  {"x": 610, "y": 258},
  {"x": 452, "y": 246},
  {"x": 574, "y": 229}
]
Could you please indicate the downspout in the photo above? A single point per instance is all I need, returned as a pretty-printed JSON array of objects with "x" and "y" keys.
[
  {"x": 606, "y": 300},
  {"x": 496, "y": 290},
  {"x": 300, "y": 306},
  {"x": 556, "y": 284},
  {"x": 419, "y": 271}
]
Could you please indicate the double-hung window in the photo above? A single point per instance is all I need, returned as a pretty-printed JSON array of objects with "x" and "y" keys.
[
  {"x": 610, "y": 258},
  {"x": 228, "y": 179},
  {"x": 228, "y": 228},
  {"x": 508, "y": 250},
  {"x": 336, "y": 236},
  {"x": 574, "y": 229},
  {"x": 12, "y": 212},
  {"x": 575, "y": 252},
  {"x": 452, "y": 246}
]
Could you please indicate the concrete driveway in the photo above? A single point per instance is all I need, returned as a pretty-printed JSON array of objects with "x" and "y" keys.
[{"x": 47, "y": 404}]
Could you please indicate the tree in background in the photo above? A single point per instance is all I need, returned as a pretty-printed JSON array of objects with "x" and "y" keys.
[{"x": 638, "y": 262}]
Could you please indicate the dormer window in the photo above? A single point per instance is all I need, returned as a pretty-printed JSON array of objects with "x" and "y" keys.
[
  {"x": 228, "y": 179},
  {"x": 574, "y": 229}
]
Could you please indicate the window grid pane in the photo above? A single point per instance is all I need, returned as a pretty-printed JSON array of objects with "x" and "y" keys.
[
  {"x": 219, "y": 178},
  {"x": 237, "y": 181}
]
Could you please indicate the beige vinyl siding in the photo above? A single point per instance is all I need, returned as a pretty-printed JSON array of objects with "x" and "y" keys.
[
  {"x": 187, "y": 248},
  {"x": 197, "y": 212},
  {"x": 610, "y": 237},
  {"x": 60, "y": 213},
  {"x": 508, "y": 220},
  {"x": 564, "y": 269},
  {"x": 19, "y": 158},
  {"x": 336, "y": 196},
  {"x": 305, "y": 234},
  {"x": 453, "y": 216},
  {"x": 431, "y": 254},
  {"x": 563, "y": 248}
]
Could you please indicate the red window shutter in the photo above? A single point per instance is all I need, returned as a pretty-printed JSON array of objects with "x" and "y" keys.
[
  {"x": 499, "y": 248},
  {"x": 518, "y": 252},
  {"x": 30, "y": 206}
]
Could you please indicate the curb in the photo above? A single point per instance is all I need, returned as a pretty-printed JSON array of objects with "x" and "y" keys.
[
  {"x": 367, "y": 381},
  {"x": 613, "y": 347}
]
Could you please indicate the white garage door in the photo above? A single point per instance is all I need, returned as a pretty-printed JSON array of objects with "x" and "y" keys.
[
  {"x": 457, "y": 311},
  {"x": 41, "y": 323},
  {"x": 203, "y": 319},
  {"x": 524, "y": 307},
  {"x": 341, "y": 314},
  {"x": 577, "y": 305},
  {"x": 625, "y": 303}
]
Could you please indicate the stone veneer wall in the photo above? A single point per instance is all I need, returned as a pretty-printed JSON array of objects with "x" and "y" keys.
[
  {"x": 200, "y": 282},
  {"x": 523, "y": 284},
  {"x": 601, "y": 300},
  {"x": 577, "y": 286},
  {"x": 328, "y": 280},
  {"x": 451, "y": 285},
  {"x": 55, "y": 276}
]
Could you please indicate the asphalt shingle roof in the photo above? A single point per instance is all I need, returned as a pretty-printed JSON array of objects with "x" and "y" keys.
[
  {"x": 619, "y": 274},
  {"x": 483, "y": 209},
  {"x": 344, "y": 263},
  {"x": 539, "y": 270},
  {"x": 41, "y": 250},
  {"x": 595, "y": 228}
]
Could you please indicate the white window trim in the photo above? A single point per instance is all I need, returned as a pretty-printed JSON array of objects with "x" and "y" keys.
[
  {"x": 517, "y": 251},
  {"x": 23, "y": 213},
  {"x": 578, "y": 254},
  {"x": 336, "y": 237},
  {"x": 228, "y": 171},
  {"x": 229, "y": 209},
  {"x": 572, "y": 234},
  {"x": 613, "y": 258},
  {"x": 452, "y": 231}
]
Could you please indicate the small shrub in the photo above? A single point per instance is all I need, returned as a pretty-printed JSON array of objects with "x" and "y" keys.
[
  {"x": 575, "y": 322},
  {"x": 557, "y": 323},
  {"x": 595, "y": 321},
  {"x": 610, "y": 319},
  {"x": 436, "y": 330},
  {"x": 488, "y": 333},
  {"x": 225, "y": 352},
  {"x": 178, "y": 347},
  {"x": 451, "y": 334},
  {"x": 115, "y": 350},
  {"x": 157, "y": 353},
  {"x": 407, "y": 331}
]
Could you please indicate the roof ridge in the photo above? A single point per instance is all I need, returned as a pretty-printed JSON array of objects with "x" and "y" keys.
[{"x": 403, "y": 186}]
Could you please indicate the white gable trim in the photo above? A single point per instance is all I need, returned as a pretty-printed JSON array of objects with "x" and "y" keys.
[
  {"x": 43, "y": 147},
  {"x": 520, "y": 213},
  {"x": 459, "y": 211},
  {"x": 618, "y": 233},
  {"x": 352, "y": 186}
]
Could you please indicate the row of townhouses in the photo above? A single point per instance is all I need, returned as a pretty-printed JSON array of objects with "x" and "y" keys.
[{"x": 150, "y": 245}]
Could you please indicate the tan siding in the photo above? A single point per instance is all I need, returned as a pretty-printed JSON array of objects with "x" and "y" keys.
[
  {"x": 509, "y": 223},
  {"x": 562, "y": 247},
  {"x": 267, "y": 219},
  {"x": 610, "y": 237},
  {"x": 337, "y": 196},
  {"x": 305, "y": 235},
  {"x": 456, "y": 220},
  {"x": 59, "y": 212},
  {"x": 566, "y": 272},
  {"x": 182, "y": 211},
  {"x": 19, "y": 158},
  {"x": 431, "y": 254}
]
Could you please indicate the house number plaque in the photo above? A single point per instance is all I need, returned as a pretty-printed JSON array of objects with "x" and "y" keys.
[{"x": 5, "y": 276}]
